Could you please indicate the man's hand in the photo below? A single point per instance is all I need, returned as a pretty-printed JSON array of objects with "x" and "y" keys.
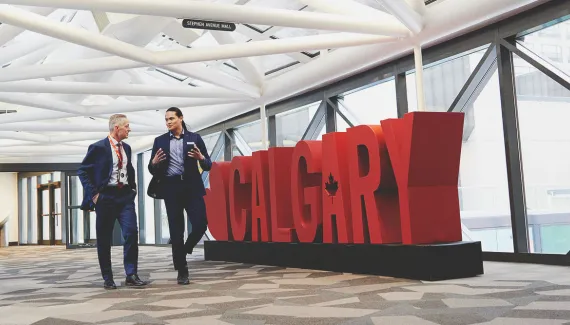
[
  {"x": 196, "y": 154},
  {"x": 159, "y": 157},
  {"x": 95, "y": 198}
]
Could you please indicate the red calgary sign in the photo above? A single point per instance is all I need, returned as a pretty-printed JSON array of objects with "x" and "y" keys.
[{"x": 395, "y": 182}]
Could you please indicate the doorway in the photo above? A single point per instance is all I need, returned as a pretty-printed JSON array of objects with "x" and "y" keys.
[
  {"x": 80, "y": 224},
  {"x": 49, "y": 214}
]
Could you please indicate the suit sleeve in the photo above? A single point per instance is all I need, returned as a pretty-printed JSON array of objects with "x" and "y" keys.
[
  {"x": 206, "y": 164},
  {"x": 86, "y": 171},
  {"x": 131, "y": 171},
  {"x": 152, "y": 168}
]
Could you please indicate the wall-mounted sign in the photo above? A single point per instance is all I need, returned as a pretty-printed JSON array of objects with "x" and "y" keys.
[{"x": 209, "y": 25}]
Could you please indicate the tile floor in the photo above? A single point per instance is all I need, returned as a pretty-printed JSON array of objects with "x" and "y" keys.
[{"x": 51, "y": 285}]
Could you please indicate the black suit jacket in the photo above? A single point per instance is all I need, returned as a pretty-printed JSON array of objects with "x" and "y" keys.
[
  {"x": 192, "y": 176},
  {"x": 96, "y": 168}
]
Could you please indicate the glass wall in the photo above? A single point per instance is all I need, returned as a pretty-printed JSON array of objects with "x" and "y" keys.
[
  {"x": 292, "y": 124},
  {"x": 149, "y": 231},
  {"x": 483, "y": 182},
  {"x": 369, "y": 105},
  {"x": 543, "y": 112}
]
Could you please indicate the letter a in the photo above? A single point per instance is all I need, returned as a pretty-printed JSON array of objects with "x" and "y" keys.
[{"x": 261, "y": 222}]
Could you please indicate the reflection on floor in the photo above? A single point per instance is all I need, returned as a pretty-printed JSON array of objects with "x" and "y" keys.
[{"x": 51, "y": 285}]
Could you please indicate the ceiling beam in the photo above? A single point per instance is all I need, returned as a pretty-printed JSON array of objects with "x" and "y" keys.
[
  {"x": 256, "y": 36},
  {"x": 42, "y": 25},
  {"x": 418, "y": 5},
  {"x": 353, "y": 8},
  {"x": 405, "y": 13},
  {"x": 245, "y": 65},
  {"x": 67, "y": 127},
  {"x": 199, "y": 71},
  {"x": 41, "y": 102},
  {"x": 159, "y": 104},
  {"x": 94, "y": 88},
  {"x": 9, "y": 32},
  {"x": 230, "y": 13},
  {"x": 278, "y": 46}
]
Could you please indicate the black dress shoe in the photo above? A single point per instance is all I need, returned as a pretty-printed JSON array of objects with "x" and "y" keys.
[
  {"x": 134, "y": 281},
  {"x": 183, "y": 278},
  {"x": 109, "y": 285}
]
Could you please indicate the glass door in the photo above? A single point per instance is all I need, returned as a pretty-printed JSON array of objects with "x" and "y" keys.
[
  {"x": 49, "y": 214},
  {"x": 80, "y": 224}
]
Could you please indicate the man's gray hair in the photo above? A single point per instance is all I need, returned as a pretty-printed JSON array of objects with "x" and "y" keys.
[{"x": 116, "y": 119}]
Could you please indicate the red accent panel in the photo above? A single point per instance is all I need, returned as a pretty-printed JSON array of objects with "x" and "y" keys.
[
  {"x": 261, "y": 222},
  {"x": 240, "y": 198},
  {"x": 280, "y": 193},
  {"x": 374, "y": 195},
  {"x": 218, "y": 201},
  {"x": 425, "y": 149},
  {"x": 336, "y": 196},
  {"x": 306, "y": 195}
]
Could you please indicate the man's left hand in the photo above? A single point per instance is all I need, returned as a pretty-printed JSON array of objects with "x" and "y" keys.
[{"x": 196, "y": 154}]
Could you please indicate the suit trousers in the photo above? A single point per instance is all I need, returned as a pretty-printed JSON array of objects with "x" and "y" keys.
[
  {"x": 178, "y": 198},
  {"x": 117, "y": 204}
]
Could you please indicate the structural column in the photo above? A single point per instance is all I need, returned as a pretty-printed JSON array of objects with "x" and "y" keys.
[
  {"x": 401, "y": 94},
  {"x": 330, "y": 114},
  {"x": 512, "y": 149},
  {"x": 419, "y": 78}
]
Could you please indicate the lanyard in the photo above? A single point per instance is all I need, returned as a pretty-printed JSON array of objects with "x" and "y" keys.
[{"x": 119, "y": 154}]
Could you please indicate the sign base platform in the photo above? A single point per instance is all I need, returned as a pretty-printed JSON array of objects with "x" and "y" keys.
[{"x": 417, "y": 262}]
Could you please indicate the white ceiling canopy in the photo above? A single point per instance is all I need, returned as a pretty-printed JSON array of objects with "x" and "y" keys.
[{"x": 67, "y": 65}]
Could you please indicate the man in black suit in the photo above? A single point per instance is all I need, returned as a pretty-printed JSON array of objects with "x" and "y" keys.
[
  {"x": 109, "y": 188},
  {"x": 176, "y": 179}
]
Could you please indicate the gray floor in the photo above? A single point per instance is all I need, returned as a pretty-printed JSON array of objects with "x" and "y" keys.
[{"x": 51, "y": 285}]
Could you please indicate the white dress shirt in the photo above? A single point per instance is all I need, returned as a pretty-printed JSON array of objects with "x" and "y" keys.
[{"x": 115, "y": 176}]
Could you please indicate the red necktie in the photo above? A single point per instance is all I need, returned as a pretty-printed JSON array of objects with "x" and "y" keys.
[{"x": 120, "y": 153}]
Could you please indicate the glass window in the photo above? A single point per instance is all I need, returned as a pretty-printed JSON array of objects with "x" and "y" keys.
[
  {"x": 291, "y": 125},
  {"x": 251, "y": 135},
  {"x": 483, "y": 185},
  {"x": 443, "y": 81},
  {"x": 33, "y": 218},
  {"x": 210, "y": 140},
  {"x": 57, "y": 210},
  {"x": 543, "y": 114},
  {"x": 550, "y": 44},
  {"x": 24, "y": 212},
  {"x": 148, "y": 203},
  {"x": 369, "y": 105},
  {"x": 555, "y": 239}
]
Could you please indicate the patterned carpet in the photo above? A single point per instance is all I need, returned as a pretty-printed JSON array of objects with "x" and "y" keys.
[{"x": 51, "y": 285}]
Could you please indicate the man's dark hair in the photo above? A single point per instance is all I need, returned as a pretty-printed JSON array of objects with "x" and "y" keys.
[{"x": 178, "y": 113}]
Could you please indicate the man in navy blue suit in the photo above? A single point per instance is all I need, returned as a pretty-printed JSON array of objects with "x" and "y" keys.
[
  {"x": 109, "y": 187},
  {"x": 176, "y": 179}
]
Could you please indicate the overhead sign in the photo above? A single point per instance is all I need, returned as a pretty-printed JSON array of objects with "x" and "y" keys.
[{"x": 209, "y": 25}]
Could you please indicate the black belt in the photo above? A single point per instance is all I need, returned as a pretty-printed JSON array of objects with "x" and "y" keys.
[
  {"x": 115, "y": 188},
  {"x": 174, "y": 178}
]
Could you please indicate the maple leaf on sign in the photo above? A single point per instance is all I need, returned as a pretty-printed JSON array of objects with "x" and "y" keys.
[{"x": 331, "y": 186}]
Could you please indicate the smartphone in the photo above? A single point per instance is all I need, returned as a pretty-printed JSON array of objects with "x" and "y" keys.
[{"x": 190, "y": 146}]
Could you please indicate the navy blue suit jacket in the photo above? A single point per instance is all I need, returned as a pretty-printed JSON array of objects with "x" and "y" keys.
[
  {"x": 95, "y": 171},
  {"x": 192, "y": 176}
]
